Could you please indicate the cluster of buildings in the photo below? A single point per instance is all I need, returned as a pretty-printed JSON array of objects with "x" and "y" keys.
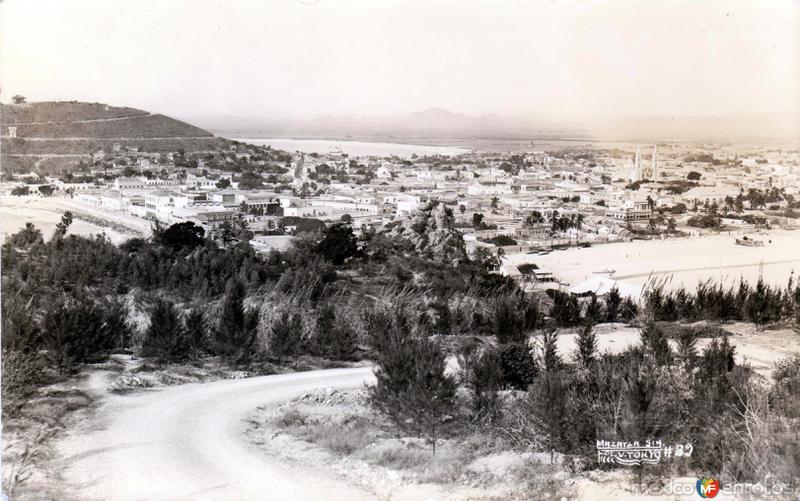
[{"x": 596, "y": 194}]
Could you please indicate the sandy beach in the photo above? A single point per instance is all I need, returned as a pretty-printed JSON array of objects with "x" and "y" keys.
[
  {"x": 681, "y": 261},
  {"x": 45, "y": 213}
]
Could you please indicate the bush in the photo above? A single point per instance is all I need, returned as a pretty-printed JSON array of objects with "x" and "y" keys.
[
  {"x": 565, "y": 310},
  {"x": 21, "y": 372},
  {"x": 513, "y": 316},
  {"x": 485, "y": 380},
  {"x": 285, "y": 336},
  {"x": 81, "y": 331},
  {"x": 236, "y": 334},
  {"x": 413, "y": 390},
  {"x": 181, "y": 235},
  {"x": 166, "y": 339},
  {"x": 517, "y": 366},
  {"x": 338, "y": 243},
  {"x": 334, "y": 337}
]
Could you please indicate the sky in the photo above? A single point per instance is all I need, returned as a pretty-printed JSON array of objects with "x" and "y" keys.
[{"x": 553, "y": 59}]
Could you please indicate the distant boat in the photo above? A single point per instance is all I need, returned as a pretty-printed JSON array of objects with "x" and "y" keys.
[
  {"x": 749, "y": 242},
  {"x": 335, "y": 150}
]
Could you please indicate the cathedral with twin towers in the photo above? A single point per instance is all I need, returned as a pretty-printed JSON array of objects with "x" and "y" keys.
[{"x": 641, "y": 170}]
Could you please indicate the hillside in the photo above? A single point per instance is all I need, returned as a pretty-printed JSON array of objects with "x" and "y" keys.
[{"x": 58, "y": 133}]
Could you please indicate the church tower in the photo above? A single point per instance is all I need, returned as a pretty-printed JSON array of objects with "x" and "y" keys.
[
  {"x": 654, "y": 164},
  {"x": 637, "y": 166}
]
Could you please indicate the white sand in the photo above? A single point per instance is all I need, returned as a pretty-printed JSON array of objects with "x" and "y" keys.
[
  {"x": 760, "y": 349},
  {"x": 46, "y": 213},
  {"x": 686, "y": 260}
]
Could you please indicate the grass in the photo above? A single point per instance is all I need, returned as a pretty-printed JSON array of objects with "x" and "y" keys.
[
  {"x": 344, "y": 438},
  {"x": 27, "y": 437}
]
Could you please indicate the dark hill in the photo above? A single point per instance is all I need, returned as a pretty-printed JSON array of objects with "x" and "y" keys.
[{"x": 46, "y": 130}]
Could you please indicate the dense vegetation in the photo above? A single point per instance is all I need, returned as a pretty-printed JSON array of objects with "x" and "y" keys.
[{"x": 71, "y": 300}]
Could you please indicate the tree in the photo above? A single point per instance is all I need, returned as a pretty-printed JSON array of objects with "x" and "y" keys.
[
  {"x": 346, "y": 218},
  {"x": 512, "y": 317},
  {"x": 586, "y": 345},
  {"x": 550, "y": 356},
  {"x": 196, "y": 329},
  {"x": 494, "y": 202},
  {"x": 236, "y": 333},
  {"x": 186, "y": 235},
  {"x": 412, "y": 388},
  {"x": 594, "y": 310},
  {"x": 334, "y": 338},
  {"x": 166, "y": 338},
  {"x": 45, "y": 190},
  {"x": 79, "y": 331},
  {"x": 671, "y": 225},
  {"x": 534, "y": 218},
  {"x": 760, "y": 304},
  {"x": 27, "y": 237},
  {"x": 285, "y": 335},
  {"x": 655, "y": 343},
  {"x": 613, "y": 304},
  {"x": 338, "y": 243},
  {"x": 517, "y": 365},
  {"x": 693, "y": 176},
  {"x": 477, "y": 220},
  {"x": 565, "y": 310},
  {"x": 484, "y": 258},
  {"x": 485, "y": 378},
  {"x": 687, "y": 347},
  {"x": 63, "y": 226},
  {"x": 223, "y": 183}
]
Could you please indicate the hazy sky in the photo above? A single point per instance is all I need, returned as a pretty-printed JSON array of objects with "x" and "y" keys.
[{"x": 556, "y": 59}]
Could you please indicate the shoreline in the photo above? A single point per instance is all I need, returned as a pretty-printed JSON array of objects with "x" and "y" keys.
[{"x": 680, "y": 261}]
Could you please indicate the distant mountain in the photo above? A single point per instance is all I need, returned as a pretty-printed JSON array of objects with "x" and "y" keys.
[
  {"x": 48, "y": 131},
  {"x": 433, "y": 123}
]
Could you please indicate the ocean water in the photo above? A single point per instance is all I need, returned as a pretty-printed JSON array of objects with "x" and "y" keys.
[{"x": 355, "y": 148}]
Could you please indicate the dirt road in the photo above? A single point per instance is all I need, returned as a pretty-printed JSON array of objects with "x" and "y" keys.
[{"x": 187, "y": 442}]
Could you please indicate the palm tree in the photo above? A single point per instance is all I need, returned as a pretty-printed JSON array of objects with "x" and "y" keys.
[
  {"x": 554, "y": 220},
  {"x": 671, "y": 225}
]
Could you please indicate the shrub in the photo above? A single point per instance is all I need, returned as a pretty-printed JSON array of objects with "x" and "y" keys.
[
  {"x": 655, "y": 343},
  {"x": 338, "y": 243},
  {"x": 485, "y": 380},
  {"x": 181, "y": 235},
  {"x": 586, "y": 345},
  {"x": 285, "y": 336},
  {"x": 565, "y": 310},
  {"x": 76, "y": 332},
  {"x": 21, "y": 372},
  {"x": 196, "y": 330},
  {"x": 236, "y": 333},
  {"x": 412, "y": 389},
  {"x": 166, "y": 339},
  {"x": 512, "y": 317},
  {"x": 334, "y": 337},
  {"x": 517, "y": 366}
]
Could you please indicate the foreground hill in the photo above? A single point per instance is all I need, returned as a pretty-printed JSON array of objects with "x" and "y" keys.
[{"x": 69, "y": 130}]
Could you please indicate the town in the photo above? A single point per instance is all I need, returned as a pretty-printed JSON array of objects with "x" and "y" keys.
[{"x": 527, "y": 202}]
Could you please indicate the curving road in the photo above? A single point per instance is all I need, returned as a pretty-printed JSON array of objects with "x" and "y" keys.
[{"x": 187, "y": 442}]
